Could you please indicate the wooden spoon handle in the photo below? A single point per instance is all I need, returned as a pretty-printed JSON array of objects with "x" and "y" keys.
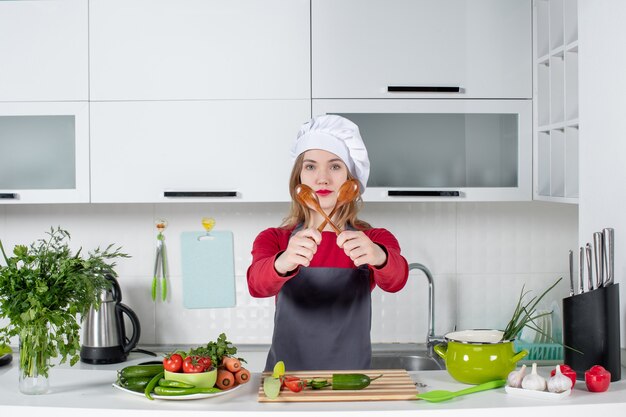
[{"x": 325, "y": 222}]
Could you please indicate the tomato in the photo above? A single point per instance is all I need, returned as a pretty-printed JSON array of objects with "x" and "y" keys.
[
  {"x": 192, "y": 365},
  {"x": 286, "y": 378},
  {"x": 568, "y": 372},
  {"x": 294, "y": 385},
  {"x": 205, "y": 361},
  {"x": 597, "y": 379},
  {"x": 173, "y": 362}
]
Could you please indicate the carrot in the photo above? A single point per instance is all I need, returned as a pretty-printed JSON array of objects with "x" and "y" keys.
[
  {"x": 232, "y": 364},
  {"x": 225, "y": 379},
  {"x": 242, "y": 376}
]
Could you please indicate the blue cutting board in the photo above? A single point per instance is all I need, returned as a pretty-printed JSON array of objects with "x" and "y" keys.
[{"x": 208, "y": 269}]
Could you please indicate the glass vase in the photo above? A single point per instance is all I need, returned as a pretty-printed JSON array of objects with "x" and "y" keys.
[{"x": 34, "y": 361}]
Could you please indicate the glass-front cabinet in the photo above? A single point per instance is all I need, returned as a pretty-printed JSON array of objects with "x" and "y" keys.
[
  {"x": 44, "y": 152},
  {"x": 443, "y": 150}
]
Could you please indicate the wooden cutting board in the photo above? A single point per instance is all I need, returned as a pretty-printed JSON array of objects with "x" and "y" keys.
[{"x": 395, "y": 384}]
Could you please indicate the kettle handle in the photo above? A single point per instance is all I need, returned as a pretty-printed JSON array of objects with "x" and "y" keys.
[{"x": 122, "y": 309}]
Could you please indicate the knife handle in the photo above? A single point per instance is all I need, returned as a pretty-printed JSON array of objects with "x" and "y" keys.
[
  {"x": 608, "y": 239},
  {"x": 598, "y": 246},
  {"x": 589, "y": 268},
  {"x": 571, "y": 273},
  {"x": 581, "y": 270}
]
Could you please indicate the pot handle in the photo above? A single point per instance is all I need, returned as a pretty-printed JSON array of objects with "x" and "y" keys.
[
  {"x": 441, "y": 350},
  {"x": 518, "y": 356}
]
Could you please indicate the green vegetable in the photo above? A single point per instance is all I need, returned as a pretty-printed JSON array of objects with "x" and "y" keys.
[
  {"x": 161, "y": 390},
  {"x": 351, "y": 381},
  {"x": 174, "y": 384},
  {"x": 318, "y": 383},
  {"x": 216, "y": 350},
  {"x": 135, "y": 371},
  {"x": 525, "y": 315},
  {"x": 271, "y": 387},
  {"x": 152, "y": 384},
  {"x": 44, "y": 290},
  {"x": 134, "y": 384}
]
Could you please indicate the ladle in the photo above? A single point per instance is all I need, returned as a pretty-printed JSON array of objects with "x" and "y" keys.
[
  {"x": 348, "y": 191},
  {"x": 307, "y": 197}
]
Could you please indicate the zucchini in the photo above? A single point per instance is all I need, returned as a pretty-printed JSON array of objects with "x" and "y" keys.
[
  {"x": 135, "y": 371},
  {"x": 351, "y": 381}
]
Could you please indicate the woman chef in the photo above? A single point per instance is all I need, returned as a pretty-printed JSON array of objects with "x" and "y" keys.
[{"x": 322, "y": 281}]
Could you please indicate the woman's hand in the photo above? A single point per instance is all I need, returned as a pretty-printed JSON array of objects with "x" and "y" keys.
[
  {"x": 300, "y": 250},
  {"x": 361, "y": 249}
]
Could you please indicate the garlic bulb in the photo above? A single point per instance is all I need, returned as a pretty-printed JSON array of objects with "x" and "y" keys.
[
  {"x": 515, "y": 378},
  {"x": 534, "y": 381},
  {"x": 559, "y": 382}
]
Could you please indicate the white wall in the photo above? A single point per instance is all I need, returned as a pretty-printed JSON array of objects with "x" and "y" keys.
[
  {"x": 602, "y": 95},
  {"x": 479, "y": 253}
]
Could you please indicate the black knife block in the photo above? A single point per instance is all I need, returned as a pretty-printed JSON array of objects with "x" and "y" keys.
[{"x": 591, "y": 325}]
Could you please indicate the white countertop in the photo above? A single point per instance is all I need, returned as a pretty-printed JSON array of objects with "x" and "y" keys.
[{"x": 86, "y": 390}]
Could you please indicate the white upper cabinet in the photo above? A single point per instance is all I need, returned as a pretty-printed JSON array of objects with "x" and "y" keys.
[
  {"x": 43, "y": 50},
  {"x": 423, "y": 48},
  {"x": 193, "y": 151},
  {"x": 44, "y": 152},
  {"x": 199, "y": 49}
]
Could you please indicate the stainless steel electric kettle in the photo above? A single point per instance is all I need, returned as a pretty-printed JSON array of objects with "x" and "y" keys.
[{"x": 104, "y": 336}]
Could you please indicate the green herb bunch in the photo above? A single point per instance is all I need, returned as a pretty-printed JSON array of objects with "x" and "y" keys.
[
  {"x": 216, "y": 350},
  {"x": 44, "y": 291},
  {"x": 525, "y": 314}
]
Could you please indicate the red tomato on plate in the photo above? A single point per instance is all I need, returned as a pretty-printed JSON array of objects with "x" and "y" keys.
[
  {"x": 192, "y": 365},
  {"x": 173, "y": 362}
]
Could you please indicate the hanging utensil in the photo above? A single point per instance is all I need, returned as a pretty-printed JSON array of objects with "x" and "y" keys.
[
  {"x": 308, "y": 199},
  {"x": 348, "y": 191},
  {"x": 608, "y": 236},
  {"x": 160, "y": 263}
]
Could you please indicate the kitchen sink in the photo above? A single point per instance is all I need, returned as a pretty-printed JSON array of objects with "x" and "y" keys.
[{"x": 405, "y": 360}]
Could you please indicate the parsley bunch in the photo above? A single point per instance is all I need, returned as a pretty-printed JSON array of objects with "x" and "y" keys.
[
  {"x": 44, "y": 290},
  {"x": 216, "y": 350}
]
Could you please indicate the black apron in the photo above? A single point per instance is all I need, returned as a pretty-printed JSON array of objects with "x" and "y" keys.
[{"x": 323, "y": 320}]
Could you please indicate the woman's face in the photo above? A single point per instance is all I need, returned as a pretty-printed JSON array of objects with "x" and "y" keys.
[{"x": 324, "y": 172}]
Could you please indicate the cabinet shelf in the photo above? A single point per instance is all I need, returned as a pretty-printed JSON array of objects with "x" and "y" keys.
[{"x": 556, "y": 96}]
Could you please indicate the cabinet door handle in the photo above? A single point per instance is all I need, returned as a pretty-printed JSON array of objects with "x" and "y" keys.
[
  {"x": 8, "y": 196},
  {"x": 200, "y": 194},
  {"x": 421, "y": 89},
  {"x": 411, "y": 193}
]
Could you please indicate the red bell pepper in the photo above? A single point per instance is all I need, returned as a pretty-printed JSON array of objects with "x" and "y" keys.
[{"x": 597, "y": 379}]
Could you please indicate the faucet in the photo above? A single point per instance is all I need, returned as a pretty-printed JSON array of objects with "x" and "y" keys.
[{"x": 431, "y": 339}]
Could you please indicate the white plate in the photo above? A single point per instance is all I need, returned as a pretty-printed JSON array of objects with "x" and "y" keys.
[
  {"x": 543, "y": 395},
  {"x": 178, "y": 397}
]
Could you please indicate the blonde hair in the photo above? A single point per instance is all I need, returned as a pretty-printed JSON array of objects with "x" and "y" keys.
[{"x": 346, "y": 215}]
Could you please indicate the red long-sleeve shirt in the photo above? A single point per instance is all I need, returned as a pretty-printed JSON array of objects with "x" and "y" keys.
[{"x": 264, "y": 281}]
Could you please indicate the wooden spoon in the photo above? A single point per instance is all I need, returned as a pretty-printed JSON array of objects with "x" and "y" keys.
[
  {"x": 348, "y": 191},
  {"x": 307, "y": 197}
]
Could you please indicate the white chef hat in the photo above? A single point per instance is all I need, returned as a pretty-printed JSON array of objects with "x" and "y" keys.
[{"x": 340, "y": 136}]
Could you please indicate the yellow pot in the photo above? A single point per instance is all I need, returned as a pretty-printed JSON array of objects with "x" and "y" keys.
[{"x": 478, "y": 356}]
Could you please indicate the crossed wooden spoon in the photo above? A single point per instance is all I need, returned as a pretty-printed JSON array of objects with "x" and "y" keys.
[{"x": 348, "y": 191}]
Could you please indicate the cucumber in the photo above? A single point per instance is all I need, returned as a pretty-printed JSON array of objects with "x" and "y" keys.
[
  {"x": 134, "y": 384},
  {"x": 351, "y": 381},
  {"x": 136, "y": 371},
  {"x": 319, "y": 383}
]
